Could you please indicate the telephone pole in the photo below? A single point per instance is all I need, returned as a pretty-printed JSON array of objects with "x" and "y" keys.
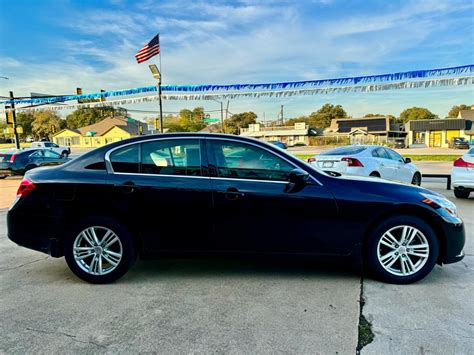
[
  {"x": 281, "y": 115},
  {"x": 17, "y": 141}
]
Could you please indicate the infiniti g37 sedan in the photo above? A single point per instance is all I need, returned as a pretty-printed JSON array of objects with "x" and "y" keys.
[{"x": 197, "y": 194}]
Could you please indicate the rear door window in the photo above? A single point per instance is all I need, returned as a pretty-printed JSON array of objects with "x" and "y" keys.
[
  {"x": 381, "y": 153},
  {"x": 394, "y": 155},
  {"x": 171, "y": 157},
  {"x": 126, "y": 159}
]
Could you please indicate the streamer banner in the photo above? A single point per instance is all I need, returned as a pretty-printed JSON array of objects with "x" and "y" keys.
[
  {"x": 402, "y": 78},
  {"x": 257, "y": 94}
]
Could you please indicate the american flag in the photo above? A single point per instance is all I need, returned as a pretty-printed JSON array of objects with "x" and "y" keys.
[{"x": 149, "y": 50}]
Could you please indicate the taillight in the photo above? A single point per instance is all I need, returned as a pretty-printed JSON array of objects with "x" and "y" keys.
[
  {"x": 26, "y": 187},
  {"x": 12, "y": 158},
  {"x": 311, "y": 160},
  {"x": 461, "y": 163},
  {"x": 352, "y": 162}
]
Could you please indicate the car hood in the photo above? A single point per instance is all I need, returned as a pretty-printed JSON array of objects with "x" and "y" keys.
[{"x": 385, "y": 185}]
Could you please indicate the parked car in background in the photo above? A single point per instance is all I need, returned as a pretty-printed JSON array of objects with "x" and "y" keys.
[
  {"x": 17, "y": 162},
  {"x": 196, "y": 194},
  {"x": 368, "y": 160},
  {"x": 462, "y": 175},
  {"x": 279, "y": 144},
  {"x": 459, "y": 143},
  {"x": 63, "y": 151}
]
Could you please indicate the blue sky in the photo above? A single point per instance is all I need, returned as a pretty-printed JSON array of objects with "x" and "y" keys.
[{"x": 56, "y": 46}]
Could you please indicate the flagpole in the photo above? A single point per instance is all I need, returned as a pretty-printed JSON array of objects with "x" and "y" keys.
[{"x": 159, "y": 93}]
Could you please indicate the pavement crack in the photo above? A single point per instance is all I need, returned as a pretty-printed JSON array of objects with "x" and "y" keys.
[
  {"x": 71, "y": 336},
  {"x": 366, "y": 336},
  {"x": 21, "y": 265}
]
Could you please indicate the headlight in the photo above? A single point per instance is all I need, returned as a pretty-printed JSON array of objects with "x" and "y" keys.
[{"x": 438, "y": 202}]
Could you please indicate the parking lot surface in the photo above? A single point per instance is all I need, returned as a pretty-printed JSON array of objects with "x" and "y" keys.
[{"x": 232, "y": 306}]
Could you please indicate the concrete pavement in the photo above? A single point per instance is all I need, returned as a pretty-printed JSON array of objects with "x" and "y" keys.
[{"x": 435, "y": 315}]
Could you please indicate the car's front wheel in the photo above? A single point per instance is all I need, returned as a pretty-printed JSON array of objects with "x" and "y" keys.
[
  {"x": 401, "y": 250},
  {"x": 64, "y": 154},
  {"x": 416, "y": 180},
  {"x": 99, "y": 250}
]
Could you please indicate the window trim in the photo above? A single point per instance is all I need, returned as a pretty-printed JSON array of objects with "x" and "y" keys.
[{"x": 204, "y": 168}]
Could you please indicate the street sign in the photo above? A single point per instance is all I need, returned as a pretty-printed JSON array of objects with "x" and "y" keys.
[{"x": 211, "y": 120}]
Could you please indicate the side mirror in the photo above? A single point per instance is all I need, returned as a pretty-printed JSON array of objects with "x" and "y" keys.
[
  {"x": 296, "y": 180},
  {"x": 407, "y": 160}
]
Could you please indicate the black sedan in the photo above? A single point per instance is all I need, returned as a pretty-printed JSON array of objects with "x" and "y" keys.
[
  {"x": 207, "y": 194},
  {"x": 17, "y": 162}
]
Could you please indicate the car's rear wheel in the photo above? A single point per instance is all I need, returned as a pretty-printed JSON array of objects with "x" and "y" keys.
[
  {"x": 29, "y": 167},
  {"x": 374, "y": 174},
  {"x": 401, "y": 250},
  {"x": 461, "y": 193},
  {"x": 100, "y": 250},
  {"x": 416, "y": 180}
]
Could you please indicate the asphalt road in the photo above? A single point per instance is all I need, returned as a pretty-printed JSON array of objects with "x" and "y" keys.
[{"x": 238, "y": 306}]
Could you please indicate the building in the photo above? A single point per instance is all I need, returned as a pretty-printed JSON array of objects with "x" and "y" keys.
[
  {"x": 439, "y": 132},
  {"x": 290, "y": 135},
  {"x": 366, "y": 130},
  {"x": 103, "y": 132}
]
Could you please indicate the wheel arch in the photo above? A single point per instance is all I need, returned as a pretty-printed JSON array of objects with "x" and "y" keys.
[{"x": 411, "y": 210}]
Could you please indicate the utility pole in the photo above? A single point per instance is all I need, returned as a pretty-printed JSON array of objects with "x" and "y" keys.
[
  {"x": 281, "y": 115},
  {"x": 222, "y": 117},
  {"x": 17, "y": 141}
]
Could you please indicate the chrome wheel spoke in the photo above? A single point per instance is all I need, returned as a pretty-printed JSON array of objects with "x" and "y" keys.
[
  {"x": 92, "y": 253},
  {"x": 403, "y": 250}
]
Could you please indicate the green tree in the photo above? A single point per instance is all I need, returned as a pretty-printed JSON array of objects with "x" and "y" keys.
[
  {"x": 25, "y": 120},
  {"x": 292, "y": 121},
  {"x": 454, "y": 112},
  {"x": 239, "y": 120},
  {"x": 87, "y": 116},
  {"x": 44, "y": 121},
  {"x": 322, "y": 118},
  {"x": 416, "y": 113},
  {"x": 190, "y": 121},
  {"x": 374, "y": 115}
]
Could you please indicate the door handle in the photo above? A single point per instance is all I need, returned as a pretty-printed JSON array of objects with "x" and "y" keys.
[
  {"x": 127, "y": 187},
  {"x": 232, "y": 193}
]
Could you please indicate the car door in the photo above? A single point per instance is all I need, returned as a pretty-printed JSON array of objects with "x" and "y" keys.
[
  {"x": 253, "y": 210},
  {"x": 386, "y": 166},
  {"x": 51, "y": 158},
  {"x": 401, "y": 173},
  {"x": 162, "y": 184}
]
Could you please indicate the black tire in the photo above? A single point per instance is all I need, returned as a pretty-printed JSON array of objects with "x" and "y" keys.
[
  {"x": 461, "y": 193},
  {"x": 374, "y": 174},
  {"x": 374, "y": 265},
  {"x": 128, "y": 250},
  {"x": 65, "y": 154},
  {"x": 416, "y": 180},
  {"x": 3, "y": 177},
  {"x": 29, "y": 167}
]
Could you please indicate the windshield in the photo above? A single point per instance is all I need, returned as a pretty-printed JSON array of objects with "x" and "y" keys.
[{"x": 348, "y": 150}]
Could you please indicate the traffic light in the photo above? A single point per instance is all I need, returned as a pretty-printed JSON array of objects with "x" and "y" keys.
[
  {"x": 140, "y": 129},
  {"x": 79, "y": 92},
  {"x": 157, "y": 123},
  {"x": 9, "y": 115},
  {"x": 53, "y": 129},
  {"x": 102, "y": 98}
]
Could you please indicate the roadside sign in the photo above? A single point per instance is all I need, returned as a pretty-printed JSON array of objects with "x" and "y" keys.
[{"x": 211, "y": 120}]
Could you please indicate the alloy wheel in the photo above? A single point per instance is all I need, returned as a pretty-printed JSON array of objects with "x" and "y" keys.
[
  {"x": 403, "y": 250},
  {"x": 97, "y": 250}
]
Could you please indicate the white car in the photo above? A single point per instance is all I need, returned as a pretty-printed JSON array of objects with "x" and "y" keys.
[
  {"x": 462, "y": 175},
  {"x": 63, "y": 151},
  {"x": 368, "y": 160}
]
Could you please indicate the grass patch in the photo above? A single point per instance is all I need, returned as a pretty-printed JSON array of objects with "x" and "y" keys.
[
  {"x": 12, "y": 145},
  {"x": 366, "y": 336},
  {"x": 413, "y": 157}
]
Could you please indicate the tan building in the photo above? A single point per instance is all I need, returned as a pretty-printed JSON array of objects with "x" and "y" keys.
[
  {"x": 366, "y": 130},
  {"x": 290, "y": 135},
  {"x": 98, "y": 134}
]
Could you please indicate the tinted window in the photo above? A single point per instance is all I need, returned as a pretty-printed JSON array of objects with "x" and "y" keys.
[
  {"x": 243, "y": 161},
  {"x": 48, "y": 145},
  {"x": 381, "y": 153},
  {"x": 394, "y": 155},
  {"x": 471, "y": 151},
  {"x": 51, "y": 154},
  {"x": 171, "y": 157},
  {"x": 37, "y": 154},
  {"x": 126, "y": 159},
  {"x": 349, "y": 150}
]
